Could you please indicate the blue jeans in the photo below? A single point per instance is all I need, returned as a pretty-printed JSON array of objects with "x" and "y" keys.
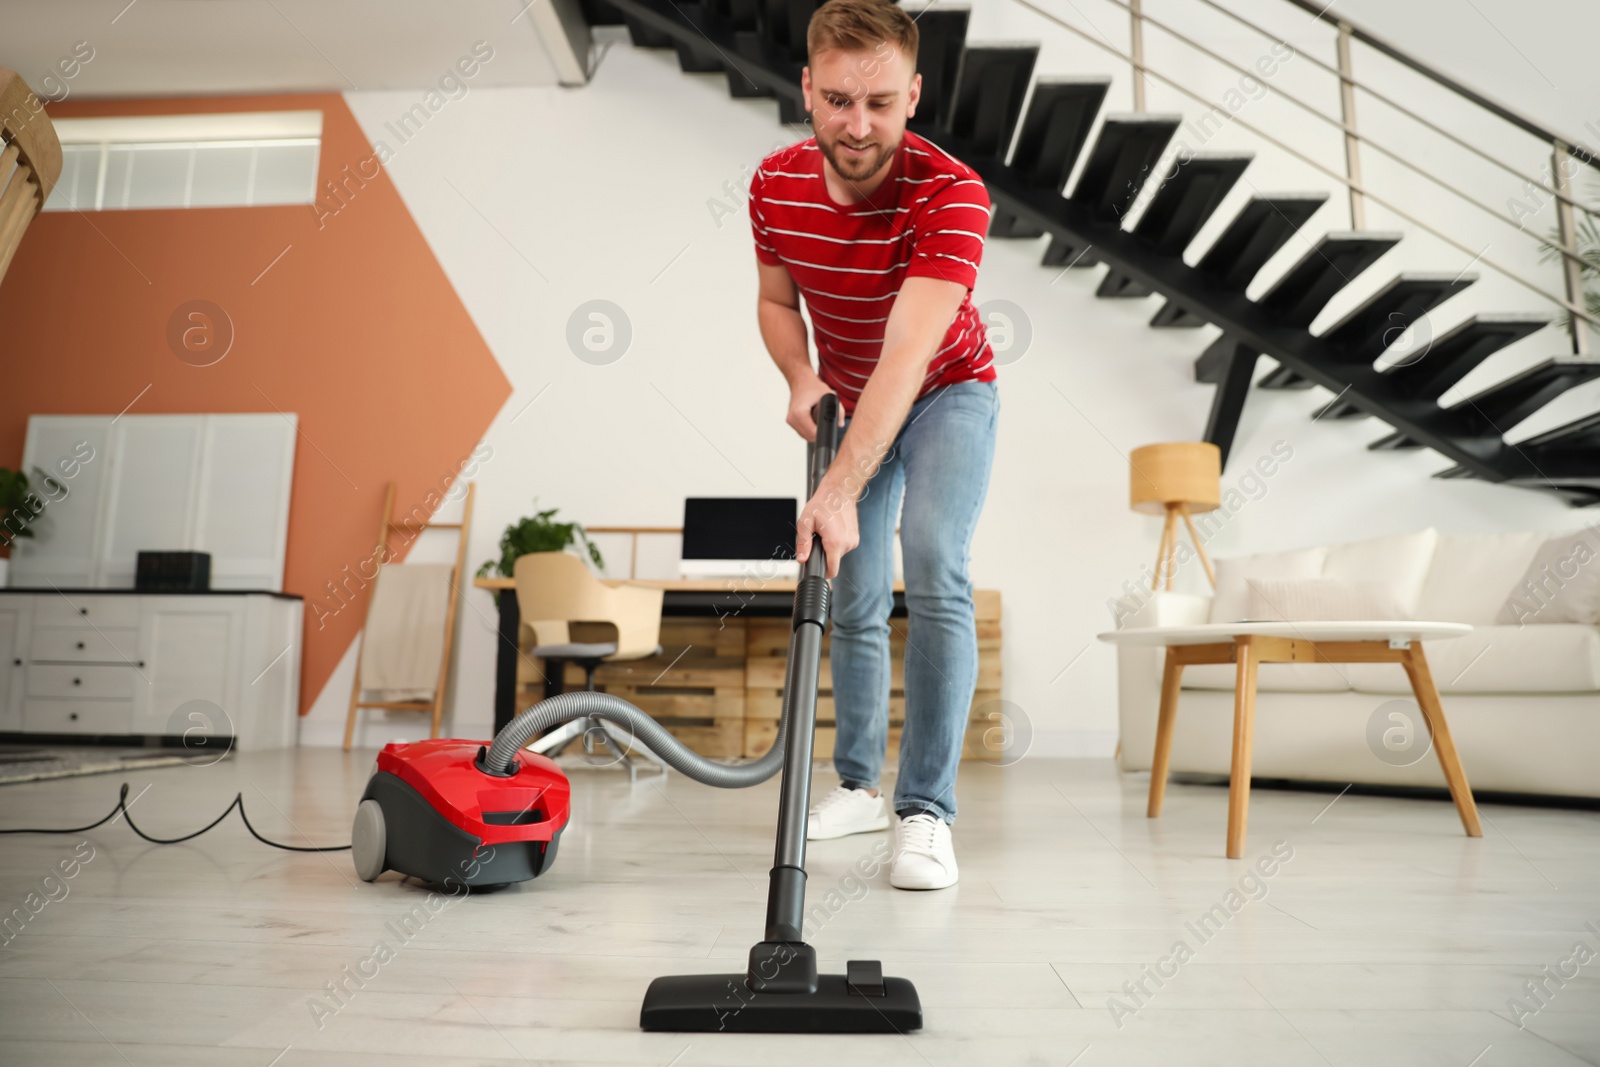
[{"x": 939, "y": 463}]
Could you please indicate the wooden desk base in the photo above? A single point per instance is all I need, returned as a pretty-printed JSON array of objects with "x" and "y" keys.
[{"x": 1247, "y": 651}]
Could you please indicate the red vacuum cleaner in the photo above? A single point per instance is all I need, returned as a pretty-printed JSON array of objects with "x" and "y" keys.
[
  {"x": 429, "y": 811},
  {"x": 462, "y": 813}
]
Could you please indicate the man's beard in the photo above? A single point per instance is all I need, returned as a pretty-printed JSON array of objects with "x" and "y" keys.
[{"x": 856, "y": 168}]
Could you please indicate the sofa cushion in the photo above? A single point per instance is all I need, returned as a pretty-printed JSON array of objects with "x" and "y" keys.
[
  {"x": 1562, "y": 584},
  {"x": 1400, "y": 562},
  {"x": 1472, "y": 574},
  {"x": 1559, "y": 658},
  {"x": 1232, "y": 599},
  {"x": 1326, "y": 599}
]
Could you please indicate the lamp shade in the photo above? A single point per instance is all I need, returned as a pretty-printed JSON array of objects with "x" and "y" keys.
[{"x": 1186, "y": 472}]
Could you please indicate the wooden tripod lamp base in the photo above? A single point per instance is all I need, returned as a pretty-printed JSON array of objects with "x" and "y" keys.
[{"x": 1177, "y": 479}]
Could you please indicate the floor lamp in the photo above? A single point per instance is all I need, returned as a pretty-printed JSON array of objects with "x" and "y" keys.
[{"x": 1182, "y": 478}]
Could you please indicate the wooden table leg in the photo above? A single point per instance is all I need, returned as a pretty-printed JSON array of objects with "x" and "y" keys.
[
  {"x": 1244, "y": 723},
  {"x": 1416, "y": 665},
  {"x": 1171, "y": 678}
]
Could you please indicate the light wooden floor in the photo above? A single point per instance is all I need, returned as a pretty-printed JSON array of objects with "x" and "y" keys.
[{"x": 1388, "y": 938}]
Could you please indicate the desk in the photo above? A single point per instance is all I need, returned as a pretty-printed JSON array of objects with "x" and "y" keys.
[{"x": 730, "y": 685}]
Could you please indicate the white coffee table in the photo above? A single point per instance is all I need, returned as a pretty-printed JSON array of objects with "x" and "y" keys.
[{"x": 1250, "y": 643}]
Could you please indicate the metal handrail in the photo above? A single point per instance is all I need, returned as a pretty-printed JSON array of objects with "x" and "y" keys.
[
  {"x": 1576, "y": 311},
  {"x": 1390, "y": 101},
  {"x": 1572, "y": 277},
  {"x": 1503, "y": 111},
  {"x": 1349, "y": 130}
]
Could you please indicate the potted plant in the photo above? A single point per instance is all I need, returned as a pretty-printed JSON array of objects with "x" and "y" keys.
[
  {"x": 537, "y": 534},
  {"x": 16, "y": 515}
]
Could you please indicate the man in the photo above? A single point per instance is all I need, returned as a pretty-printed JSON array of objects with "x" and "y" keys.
[{"x": 882, "y": 233}]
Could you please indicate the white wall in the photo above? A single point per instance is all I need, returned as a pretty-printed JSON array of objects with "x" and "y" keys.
[{"x": 608, "y": 192}]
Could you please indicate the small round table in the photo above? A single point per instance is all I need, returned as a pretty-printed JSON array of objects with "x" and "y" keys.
[{"x": 1250, "y": 643}]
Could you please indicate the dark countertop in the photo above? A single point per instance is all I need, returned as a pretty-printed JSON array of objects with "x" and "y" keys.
[{"x": 73, "y": 591}]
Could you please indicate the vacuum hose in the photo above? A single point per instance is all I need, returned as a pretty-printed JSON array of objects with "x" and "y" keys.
[
  {"x": 811, "y": 602},
  {"x": 564, "y": 707}
]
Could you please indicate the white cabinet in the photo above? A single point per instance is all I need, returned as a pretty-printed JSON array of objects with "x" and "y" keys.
[
  {"x": 14, "y": 614},
  {"x": 207, "y": 483},
  {"x": 152, "y": 665},
  {"x": 192, "y": 648}
]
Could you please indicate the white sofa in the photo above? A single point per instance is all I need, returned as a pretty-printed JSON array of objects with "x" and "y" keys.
[{"x": 1523, "y": 703}]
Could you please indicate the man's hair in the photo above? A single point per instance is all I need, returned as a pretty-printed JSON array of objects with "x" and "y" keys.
[{"x": 862, "y": 26}]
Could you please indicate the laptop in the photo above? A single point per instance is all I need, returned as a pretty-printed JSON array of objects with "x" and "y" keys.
[{"x": 739, "y": 537}]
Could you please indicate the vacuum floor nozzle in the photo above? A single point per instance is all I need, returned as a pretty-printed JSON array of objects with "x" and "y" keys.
[{"x": 862, "y": 1001}]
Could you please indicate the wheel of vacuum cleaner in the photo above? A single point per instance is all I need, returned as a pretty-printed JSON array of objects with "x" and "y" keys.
[{"x": 368, "y": 840}]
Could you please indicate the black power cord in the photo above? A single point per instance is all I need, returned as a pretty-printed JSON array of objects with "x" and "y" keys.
[{"x": 122, "y": 806}]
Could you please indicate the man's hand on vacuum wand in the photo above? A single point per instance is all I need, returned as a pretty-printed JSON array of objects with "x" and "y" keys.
[
  {"x": 804, "y": 392},
  {"x": 831, "y": 515}
]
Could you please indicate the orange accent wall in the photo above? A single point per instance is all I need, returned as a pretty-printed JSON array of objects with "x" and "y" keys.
[{"x": 355, "y": 329}]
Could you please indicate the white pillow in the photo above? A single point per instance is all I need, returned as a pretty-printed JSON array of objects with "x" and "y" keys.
[
  {"x": 1399, "y": 562},
  {"x": 1562, "y": 583},
  {"x": 1470, "y": 573},
  {"x": 1232, "y": 600},
  {"x": 1321, "y": 599}
]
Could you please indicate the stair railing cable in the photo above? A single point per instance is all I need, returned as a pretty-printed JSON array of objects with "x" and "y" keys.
[
  {"x": 1565, "y": 244},
  {"x": 1350, "y": 131}
]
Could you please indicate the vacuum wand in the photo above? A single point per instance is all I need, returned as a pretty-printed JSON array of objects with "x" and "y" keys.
[
  {"x": 781, "y": 990},
  {"x": 787, "y": 889}
]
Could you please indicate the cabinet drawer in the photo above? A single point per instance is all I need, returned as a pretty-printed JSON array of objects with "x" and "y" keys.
[
  {"x": 72, "y": 610},
  {"x": 78, "y": 716},
  {"x": 88, "y": 680},
  {"x": 85, "y": 645}
]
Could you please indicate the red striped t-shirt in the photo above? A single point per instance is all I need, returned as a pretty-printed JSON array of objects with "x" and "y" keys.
[{"x": 927, "y": 219}]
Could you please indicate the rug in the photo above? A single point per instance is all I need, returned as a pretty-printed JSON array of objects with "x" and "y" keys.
[{"x": 32, "y": 763}]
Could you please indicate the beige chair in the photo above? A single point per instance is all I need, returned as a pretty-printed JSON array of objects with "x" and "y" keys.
[
  {"x": 579, "y": 617},
  {"x": 433, "y": 703}
]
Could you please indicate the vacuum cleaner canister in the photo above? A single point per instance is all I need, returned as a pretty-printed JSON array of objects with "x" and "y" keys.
[{"x": 431, "y": 812}]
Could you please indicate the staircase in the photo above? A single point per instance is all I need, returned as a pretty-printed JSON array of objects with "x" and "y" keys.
[{"x": 973, "y": 107}]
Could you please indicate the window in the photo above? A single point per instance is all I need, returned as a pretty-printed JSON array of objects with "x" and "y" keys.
[{"x": 246, "y": 159}]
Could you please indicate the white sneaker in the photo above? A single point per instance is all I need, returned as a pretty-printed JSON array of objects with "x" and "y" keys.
[
  {"x": 924, "y": 857},
  {"x": 847, "y": 811}
]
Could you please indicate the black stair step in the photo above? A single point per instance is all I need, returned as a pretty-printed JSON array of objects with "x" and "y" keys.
[
  {"x": 1394, "y": 442},
  {"x": 1122, "y": 160},
  {"x": 1262, "y": 226},
  {"x": 741, "y": 87},
  {"x": 698, "y": 60},
  {"x": 941, "y": 36},
  {"x": 644, "y": 36},
  {"x": 1458, "y": 351},
  {"x": 782, "y": 25},
  {"x": 1338, "y": 409},
  {"x": 1582, "y": 434},
  {"x": 1254, "y": 236},
  {"x": 1504, "y": 404},
  {"x": 989, "y": 91},
  {"x": 1060, "y": 115},
  {"x": 738, "y": 14},
  {"x": 600, "y": 13},
  {"x": 1191, "y": 191},
  {"x": 1366, "y": 332},
  {"x": 1007, "y": 223},
  {"x": 1332, "y": 263},
  {"x": 1065, "y": 253},
  {"x": 1281, "y": 377}
]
